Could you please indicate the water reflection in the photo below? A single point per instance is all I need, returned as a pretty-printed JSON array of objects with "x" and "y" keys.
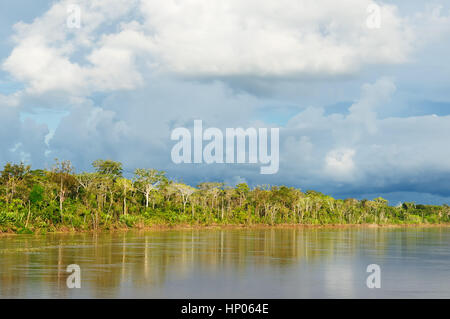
[{"x": 272, "y": 263}]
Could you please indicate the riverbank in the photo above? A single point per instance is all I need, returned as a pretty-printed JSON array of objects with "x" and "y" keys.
[{"x": 68, "y": 230}]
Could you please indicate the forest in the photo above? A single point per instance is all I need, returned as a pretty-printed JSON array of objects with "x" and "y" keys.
[{"x": 61, "y": 200}]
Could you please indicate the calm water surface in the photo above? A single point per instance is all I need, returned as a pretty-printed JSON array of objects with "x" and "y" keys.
[{"x": 244, "y": 263}]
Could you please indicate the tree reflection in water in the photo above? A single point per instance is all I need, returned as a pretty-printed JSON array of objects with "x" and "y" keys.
[{"x": 30, "y": 265}]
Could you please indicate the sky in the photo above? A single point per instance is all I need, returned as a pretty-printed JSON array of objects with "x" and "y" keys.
[{"x": 362, "y": 111}]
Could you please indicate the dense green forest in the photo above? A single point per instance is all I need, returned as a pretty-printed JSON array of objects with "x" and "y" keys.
[{"x": 40, "y": 201}]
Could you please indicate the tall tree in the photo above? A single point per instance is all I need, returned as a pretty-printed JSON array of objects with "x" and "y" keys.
[
  {"x": 146, "y": 181},
  {"x": 125, "y": 186},
  {"x": 109, "y": 168},
  {"x": 109, "y": 172},
  {"x": 12, "y": 176},
  {"x": 62, "y": 174},
  {"x": 185, "y": 191}
]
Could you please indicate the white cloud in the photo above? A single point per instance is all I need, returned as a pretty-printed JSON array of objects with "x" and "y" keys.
[
  {"x": 273, "y": 38},
  {"x": 361, "y": 150},
  {"x": 134, "y": 127},
  {"x": 48, "y": 55},
  {"x": 43, "y": 67},
  {"x": 339, "y": 164},
  {"x": 119, "y": 41},
  {"x": 372, "y": 95}
]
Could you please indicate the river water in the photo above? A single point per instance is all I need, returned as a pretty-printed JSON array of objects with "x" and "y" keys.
[{"x": 232, "y": 263}]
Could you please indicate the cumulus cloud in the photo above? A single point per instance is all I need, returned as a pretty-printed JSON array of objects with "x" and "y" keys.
[
  {"x": 134, "y": 127},
  {"x": 339, "y": 164},
  {"x": 48, "y": 55},
  {"x": 360, "y": 150},
  {"x": 273, "y": 39},
  {"x": 202, "y": 38}
]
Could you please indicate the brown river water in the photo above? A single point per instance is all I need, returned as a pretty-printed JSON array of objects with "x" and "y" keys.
[{"x": 230, "y": 263}]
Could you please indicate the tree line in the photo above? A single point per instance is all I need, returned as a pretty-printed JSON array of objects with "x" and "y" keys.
[{"x": 60, "y": 199}]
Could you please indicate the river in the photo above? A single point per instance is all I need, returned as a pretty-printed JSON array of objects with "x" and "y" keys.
[{"x": 414, "y": 262}]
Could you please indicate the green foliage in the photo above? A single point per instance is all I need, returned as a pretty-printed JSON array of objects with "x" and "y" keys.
[
  {"x": 37, "y": 194},
  {"x": 40, "y": 201},
  {"x": 129, "y": 220},
  {"x": 108, "y": 167}
]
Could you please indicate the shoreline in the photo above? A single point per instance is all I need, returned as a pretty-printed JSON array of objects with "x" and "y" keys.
[{"x": 227, "y": 227}]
